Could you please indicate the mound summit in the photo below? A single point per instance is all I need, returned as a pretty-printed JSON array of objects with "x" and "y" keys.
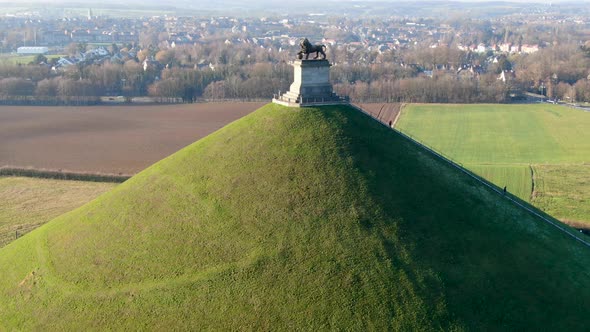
[{"x": 315, "y": 218}]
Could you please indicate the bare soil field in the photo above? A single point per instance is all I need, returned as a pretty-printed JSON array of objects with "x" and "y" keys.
[
  {"x": 107, "y": 139},
  {"x": 384, "y": 112}
]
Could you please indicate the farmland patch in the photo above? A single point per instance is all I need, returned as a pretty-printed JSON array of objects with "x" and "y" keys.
[
  {"x": 106, "y": 139},
  {"x": 564, "y": 192}
]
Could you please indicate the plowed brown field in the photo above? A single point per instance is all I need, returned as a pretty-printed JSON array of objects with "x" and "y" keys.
[
  {"x": 107, "y": 139},
  {"x": 384, "y": 112}
]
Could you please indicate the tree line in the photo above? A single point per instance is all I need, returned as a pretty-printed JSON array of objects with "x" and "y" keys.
[{"x": 218, "y": 70}]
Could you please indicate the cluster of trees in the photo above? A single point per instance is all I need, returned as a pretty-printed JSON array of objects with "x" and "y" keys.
[
  {"x": 441, "y": 89},
  {"x": 580, "y": 91},
  {"x": 559, "y": 72},
  {"x": 244, "y": 82},
  {"x": 51, "y": 91}
]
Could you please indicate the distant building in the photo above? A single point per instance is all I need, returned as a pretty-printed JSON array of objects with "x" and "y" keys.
[
  {"x": 150, "y": 64},
  {"x": 81, "y": 36},
  {"x": 64, "y": 62},
  {"x": 127, "y": 37},
  {"x": 32, "y": 50},
  {"x": 463, "y": 48},
  {"x": 506, "y": 75},
  {"x": 529, "y": 48},
  {"x": 505, "y": 47},
  {"x": 469, "y": 72},
  {"x": 55, "y": 37},
  {"x": 96, "y": 53}
]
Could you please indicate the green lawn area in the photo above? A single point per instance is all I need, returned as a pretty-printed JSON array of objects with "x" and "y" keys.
[
  {"x": 491, "y": 139},
  {"x": 509, "y": 134},
  {"x": 26, "y": 203}
]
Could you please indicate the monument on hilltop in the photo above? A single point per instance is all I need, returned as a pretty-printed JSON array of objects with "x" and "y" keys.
[{"x": 311, "y": 84}]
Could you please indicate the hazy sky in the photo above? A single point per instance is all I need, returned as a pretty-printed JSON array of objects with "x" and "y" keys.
[
  {"x": 278, "y": 3},
  {"x": 431, "y": 8}
]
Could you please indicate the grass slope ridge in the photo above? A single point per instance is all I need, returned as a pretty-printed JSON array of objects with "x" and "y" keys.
[{"x": 289, "y": 219}]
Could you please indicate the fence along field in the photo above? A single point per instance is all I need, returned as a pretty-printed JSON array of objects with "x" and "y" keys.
[{"x": 496, "y": 141}]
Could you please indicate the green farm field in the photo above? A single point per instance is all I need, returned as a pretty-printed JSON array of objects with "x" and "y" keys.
[
  {"x": 506, "y": 144},
  {"x": 564, "y": 192}
]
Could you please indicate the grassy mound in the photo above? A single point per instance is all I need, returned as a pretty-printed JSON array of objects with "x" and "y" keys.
[{"x": 290, "y": 219}]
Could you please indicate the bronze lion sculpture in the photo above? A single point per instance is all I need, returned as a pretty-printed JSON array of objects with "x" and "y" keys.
[{"x": 307, "y": 48}]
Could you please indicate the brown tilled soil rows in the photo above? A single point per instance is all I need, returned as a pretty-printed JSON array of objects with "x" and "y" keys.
[
  {"x": 384, "y": 112},
  {"x": 106, "y": 139}
]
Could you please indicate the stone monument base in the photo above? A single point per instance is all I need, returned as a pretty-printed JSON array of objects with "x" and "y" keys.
[
  {"x": 311, "y": 86},
  {"x": 305, "y": 102}
]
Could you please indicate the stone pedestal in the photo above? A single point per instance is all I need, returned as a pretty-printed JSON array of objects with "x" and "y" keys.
[{"x": 311, "y": 86}]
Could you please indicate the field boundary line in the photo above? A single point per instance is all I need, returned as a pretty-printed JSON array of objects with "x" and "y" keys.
[
  {"x": 533, "y": 193},
  {"x": 499, "y": 191},
  {"x": 63, "y": 175},
  {"x": 398, "y": 115}
]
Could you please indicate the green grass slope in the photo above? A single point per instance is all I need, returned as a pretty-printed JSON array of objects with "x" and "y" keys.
[{"x": 297, "y": 219}]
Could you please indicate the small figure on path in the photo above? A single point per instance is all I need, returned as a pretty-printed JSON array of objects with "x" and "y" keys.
[{"x": 504, "y": 190}]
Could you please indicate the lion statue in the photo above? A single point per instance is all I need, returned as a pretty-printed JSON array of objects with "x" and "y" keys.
[{"x": 307, "y": 48}]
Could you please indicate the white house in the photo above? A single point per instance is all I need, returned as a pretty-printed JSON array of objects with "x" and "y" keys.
[{"x": 32, "y": 50}]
